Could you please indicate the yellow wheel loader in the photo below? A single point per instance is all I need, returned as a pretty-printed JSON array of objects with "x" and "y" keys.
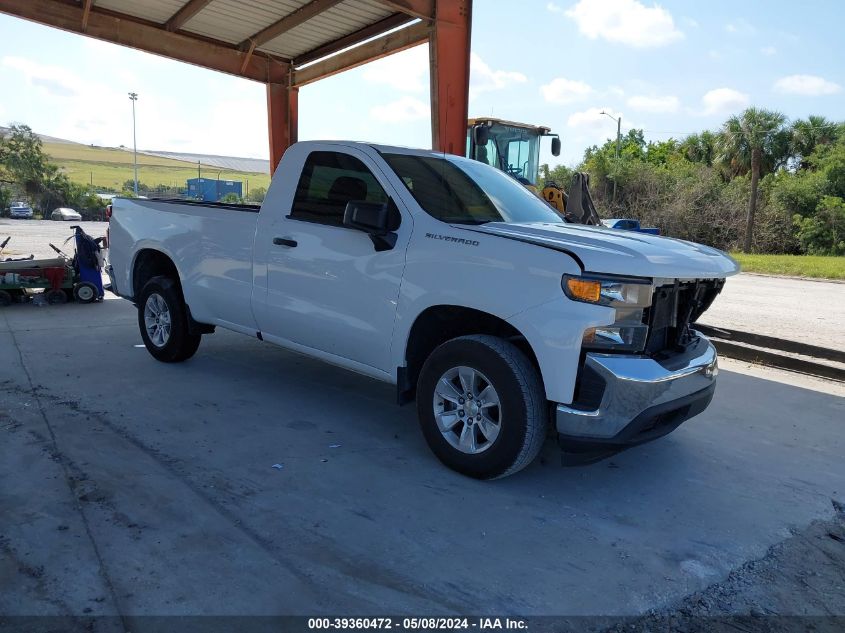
[{"x": 514, "y": 148}]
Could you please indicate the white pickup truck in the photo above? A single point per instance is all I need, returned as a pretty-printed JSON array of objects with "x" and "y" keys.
[{"x": 447, "y": 278}]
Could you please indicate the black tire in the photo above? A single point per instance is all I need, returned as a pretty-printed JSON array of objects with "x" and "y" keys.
[
  {"x": 55, "y": 297},
  {"x": 524, "y": 415},
  {"x": 179, "y": 344},
  {"x": 85, "y": 292},
  {"x": 5, "y": 299}
]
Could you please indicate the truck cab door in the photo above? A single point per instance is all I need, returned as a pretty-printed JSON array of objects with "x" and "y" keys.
[{"x": 327, "y": 287}]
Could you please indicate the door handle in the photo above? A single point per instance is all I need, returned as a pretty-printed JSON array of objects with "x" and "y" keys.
[{"x": 284, "y": 241}]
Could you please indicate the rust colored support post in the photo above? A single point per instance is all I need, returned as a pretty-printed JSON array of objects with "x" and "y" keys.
[
  {"x": 449, "y": 50},
  {"x": 282, "y": 120}
]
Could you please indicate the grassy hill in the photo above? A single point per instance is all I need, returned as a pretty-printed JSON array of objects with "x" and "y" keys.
[{"x": 110, "y": 168}]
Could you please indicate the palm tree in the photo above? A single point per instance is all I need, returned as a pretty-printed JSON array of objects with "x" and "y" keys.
[
  {"x": 755, "y": 140},
  {"x": 700, "y": 148},
  {"x": 809, "y": 133}
]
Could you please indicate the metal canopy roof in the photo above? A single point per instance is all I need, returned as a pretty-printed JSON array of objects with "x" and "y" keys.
[
  {"x": 235, "y": 22},
  {"x": 236, "y": 36},
  {"x": 285, "y": 44}
]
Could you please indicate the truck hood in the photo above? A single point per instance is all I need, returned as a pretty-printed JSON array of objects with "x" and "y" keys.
[{"x": 603, "y": 250}]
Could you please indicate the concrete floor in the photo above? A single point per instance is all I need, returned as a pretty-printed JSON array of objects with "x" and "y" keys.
[{"x": 129, "y": 486}]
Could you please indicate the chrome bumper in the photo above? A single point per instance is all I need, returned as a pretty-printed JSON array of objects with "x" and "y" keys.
[{"x": 642, "y": 399}]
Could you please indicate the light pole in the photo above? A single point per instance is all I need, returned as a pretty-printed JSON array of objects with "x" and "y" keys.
[
  {"x": 618, "y": 137},
  {"x": 133, "y": 97}
]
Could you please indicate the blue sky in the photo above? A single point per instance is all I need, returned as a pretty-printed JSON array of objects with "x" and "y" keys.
[{"x": 670, "y": 68}]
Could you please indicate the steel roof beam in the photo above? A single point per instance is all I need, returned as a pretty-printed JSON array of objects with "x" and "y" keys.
[
  {"x": 392, "y": 43},
  {"x": 382, "y": 26},
  {"x": 290, "y": 21},
  {"x": 423, "y": 9},
  {"x": 150, "y": 37},
  {"x": 86, "y": 11},
  {"x": 188, "y": 10}
]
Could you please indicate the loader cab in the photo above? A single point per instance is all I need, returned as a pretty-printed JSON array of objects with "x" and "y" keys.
[{"x": 514, "y": 148}]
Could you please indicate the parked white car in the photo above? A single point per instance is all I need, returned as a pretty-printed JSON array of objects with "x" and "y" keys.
[
  {"x": 65, "y": 214},
  {"x": 447, "y": 278},
  {"x": 20, "y": 211}
]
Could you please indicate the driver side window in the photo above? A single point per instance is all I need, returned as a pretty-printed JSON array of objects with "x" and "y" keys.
[{"x": 328, "y": 182}]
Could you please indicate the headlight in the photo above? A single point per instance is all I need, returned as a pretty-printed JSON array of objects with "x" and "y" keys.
[{"x": 629, "y": 296}]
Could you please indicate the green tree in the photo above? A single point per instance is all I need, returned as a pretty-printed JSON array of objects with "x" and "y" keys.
[
  {"x": 129, "y": 185},
  {"x": 808, "y": 134},
  {"x": 257, "y": 194},
  {"x": 754, "y": 140},
  {"x": 560, "y": 175},
  {"x": 5, "y": 197},
  {"x": 824, "y": 232},
  {"x": 231, "y": 198},
  {"x": 661, "y": 152},
  {"x": 700, "y": 148},
  {"x": 22, "y": 160},
  {"x": 796, "y": 192}
]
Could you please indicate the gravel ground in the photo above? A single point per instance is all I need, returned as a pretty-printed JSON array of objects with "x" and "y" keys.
[{"x": 799, "y": 585}]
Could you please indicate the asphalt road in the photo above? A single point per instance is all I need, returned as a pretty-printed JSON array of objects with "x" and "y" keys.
[
  {"x": 130, "y": 486},
  {"x": 808, "y": 311},
  {"x": 33, "y": 237}
]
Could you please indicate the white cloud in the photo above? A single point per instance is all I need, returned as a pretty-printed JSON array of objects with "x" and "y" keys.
[
  {"x": 53, "y": 81},
  {"x": 723, "y": 101},
  {"x": 693, "y": 24},
  {"x": 740, "y": 27},
  {"x": 769, "y": 50},
  {"x": 624, "y": 21},
  {"x": 562, "y": 91},
  {"x": 555, "y": 8},
  {"x": 592, "y": 118},
  {"x": 485, "y": 79},
  {"x": 401, "y": 111},
  {"x": 98, "y": 111},
  {"x": 806, "y": 85},
  {"x": 406, "y": 71},
  {"x": 667, "y": 103}
]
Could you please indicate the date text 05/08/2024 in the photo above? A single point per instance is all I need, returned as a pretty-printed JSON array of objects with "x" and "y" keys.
[{"x": 419, "y": 624}]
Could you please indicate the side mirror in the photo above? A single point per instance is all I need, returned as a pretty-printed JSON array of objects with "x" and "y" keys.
[
  {"x": 480, "y": 135},
  {"x": 370, "y": 217},
  {"x": 377, "y": 219},
  {"x": 555, "y": 146}
]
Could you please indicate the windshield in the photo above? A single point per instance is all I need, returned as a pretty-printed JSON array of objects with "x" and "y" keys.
[{"x": 461, "y": 191}]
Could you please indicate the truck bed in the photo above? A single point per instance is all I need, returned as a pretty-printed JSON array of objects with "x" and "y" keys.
[{"x": 211, "y": 242}]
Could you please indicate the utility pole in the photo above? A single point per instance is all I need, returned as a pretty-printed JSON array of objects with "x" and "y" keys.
[
  {"x": 618, "y": 140},
  {"x": 133, "y": 97}
]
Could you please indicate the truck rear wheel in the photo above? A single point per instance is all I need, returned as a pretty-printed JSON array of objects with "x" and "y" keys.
[
  {"x": 163, "y": 321},
  {"x": 482, "y": 407}
]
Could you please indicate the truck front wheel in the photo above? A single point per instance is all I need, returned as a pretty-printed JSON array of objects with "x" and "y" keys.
[
  {"x": 482, "y": 407},
  {"x": 163, "y": 321}
]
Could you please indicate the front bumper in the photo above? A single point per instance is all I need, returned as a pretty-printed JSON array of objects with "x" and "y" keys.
[{"x": 638, "y": 398}]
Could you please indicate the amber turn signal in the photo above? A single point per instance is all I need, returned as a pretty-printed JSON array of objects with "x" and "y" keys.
[{"x": 584, "y": 289}]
